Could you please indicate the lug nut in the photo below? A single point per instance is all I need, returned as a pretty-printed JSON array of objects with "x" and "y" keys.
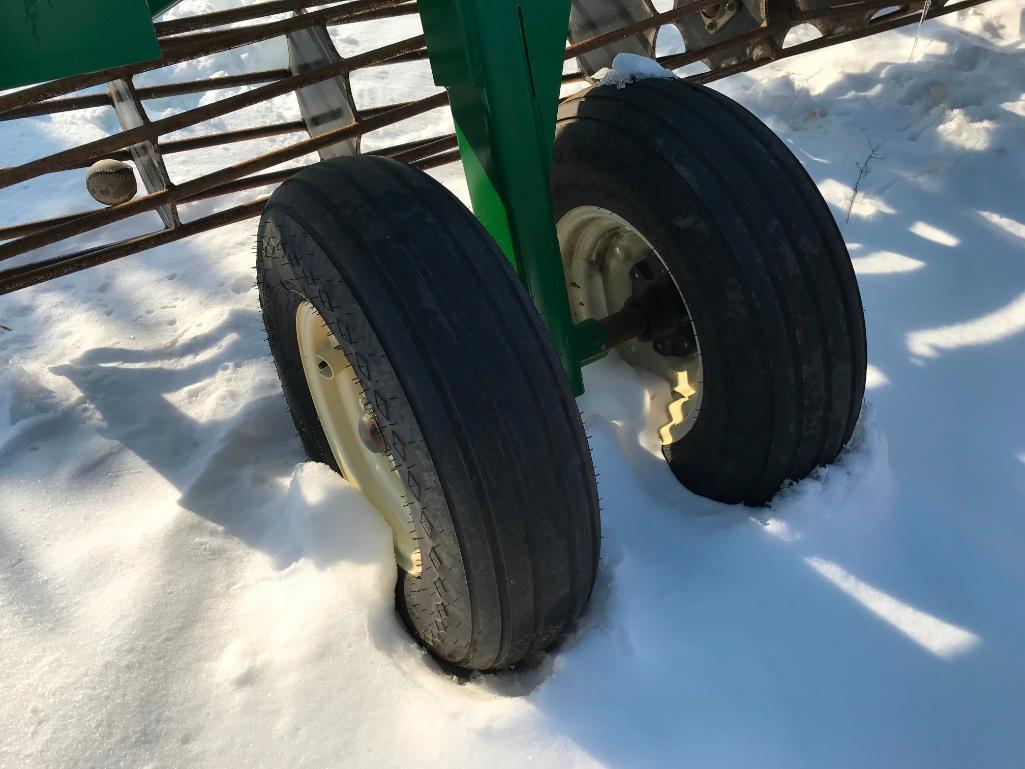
[{"x": 371, "y": 435}]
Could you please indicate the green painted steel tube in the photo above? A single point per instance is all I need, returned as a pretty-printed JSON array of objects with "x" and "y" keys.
[
  {"x": 45, "y": 41},
  {"x": 501, "y": 62}
]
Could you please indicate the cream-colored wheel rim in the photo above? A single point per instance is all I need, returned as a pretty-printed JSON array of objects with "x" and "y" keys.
[
  {"x": 599, "y": 250},
  {"x": 341, "y": 407}
]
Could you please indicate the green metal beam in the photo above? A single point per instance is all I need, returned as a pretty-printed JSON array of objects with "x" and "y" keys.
[
  {"x": 501, "y": 62},
  {"x": 47, "y": 39}
]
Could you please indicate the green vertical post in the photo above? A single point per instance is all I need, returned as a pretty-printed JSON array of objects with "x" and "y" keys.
[{"x": 501, "y": 62}]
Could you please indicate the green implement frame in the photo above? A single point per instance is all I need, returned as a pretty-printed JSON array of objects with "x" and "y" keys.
[
  {"x": 500, "y": 60},
  {"x": 48, "y": 39}
]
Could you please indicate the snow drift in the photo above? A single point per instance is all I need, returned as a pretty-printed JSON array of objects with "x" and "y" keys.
[{"x": 178, "y": 589}]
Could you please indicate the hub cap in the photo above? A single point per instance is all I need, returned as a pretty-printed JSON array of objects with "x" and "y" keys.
[
  {"x": 603, "y": 255},
  {"x": 356, "y": 439}
]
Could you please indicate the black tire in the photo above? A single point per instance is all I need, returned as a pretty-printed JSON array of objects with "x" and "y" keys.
[
  {"x": 758, "y": 259},
  {"x": 474, "y": 406}
]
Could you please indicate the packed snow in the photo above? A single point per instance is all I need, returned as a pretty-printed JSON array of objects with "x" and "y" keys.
[
  {"x": 179, "y": 589},
  {"x": 629, "y": 68}
]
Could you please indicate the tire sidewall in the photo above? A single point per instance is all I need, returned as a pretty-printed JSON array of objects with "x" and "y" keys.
[{"x": 430, "y": 600}]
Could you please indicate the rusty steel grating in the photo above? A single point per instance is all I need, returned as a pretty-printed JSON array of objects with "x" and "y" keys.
[{"x": 729, "y": 36}]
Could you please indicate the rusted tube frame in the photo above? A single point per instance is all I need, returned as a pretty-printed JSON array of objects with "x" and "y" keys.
[
  {"x": 186, "y": 50},
  {"x": 99, "y": 148},
  {"x": 224, "y": 40},
  {"x": 794, "y": 50},
  {"x": 234, "y": 15},
  {"x": 410, "y": 152},
  {"x": 277, "y": 176},
  {"x": 40, "y": 272},
  {"x": 846, "y": 37},
  {"x": 186, "y": 189},
  {"x": 853, "y": 9},
  {"x": 658, "y": 20},
  {"x": 297, "y": 126},
  {"x": 901, "y": 18},
  {"x": 59, "y": 161},
  {"x": 213, "y": 140},
  {"x": 27, "y": 228},
  {"x": 52, "y": 106},
  {"x": 66, "y": 85},
  {"x": 146, "y": 93},
  {"x": 248, "y": 35}
]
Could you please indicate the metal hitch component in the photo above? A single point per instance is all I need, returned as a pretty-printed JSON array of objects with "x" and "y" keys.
[{"x": 655, "y": 312}]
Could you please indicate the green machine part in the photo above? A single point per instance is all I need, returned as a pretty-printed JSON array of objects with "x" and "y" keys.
[
  {"x": 501, "y": 62},
  {"x": 48, "y": 39}
]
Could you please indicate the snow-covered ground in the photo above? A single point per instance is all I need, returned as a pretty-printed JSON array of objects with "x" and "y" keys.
[{"x": 178, "y": 590}]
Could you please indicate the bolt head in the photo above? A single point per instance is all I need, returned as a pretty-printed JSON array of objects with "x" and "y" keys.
[{"x": 371, "y": 435}]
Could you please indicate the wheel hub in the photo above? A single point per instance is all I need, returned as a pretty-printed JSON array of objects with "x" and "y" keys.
[
  {"x": 357, "y": 441},
  {"x": 608, "y": 265}
]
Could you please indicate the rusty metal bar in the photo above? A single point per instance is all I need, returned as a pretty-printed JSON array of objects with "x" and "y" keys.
[
  {"x": 233, "y": 15},
  {"x": 826, "y": 42},
  {"x": 410, "y": 152},
  {"x": 145, "y": 93},
  {"x": 425, "y": 153},
  {"x": 206, "y": 43},
  {"x": 186, "y": 189},
  {"x": 426, "y": 149},
  {"x": 243, "y": 184},
  {"x": 658, "y": 20},
  {"x": 27, "y": 228},
  {"x": 211, "y": 140},
  {"x": 414, "y": 148},
  {"x": 850, "y": 9},
  {"x": 211, "y": 84},
  {"x": 40, "y": 272},
  {"x": 228, "y": 137},
  {"x": 183, "y": 51},
  {"x": 57, "y": 105},
  {"x": 163, "y": 91},
  {"x": 18, "y": 278},
  {"x": 422, "y": 148},
  {"x": 71, "y": 158},
  {"x": 677, "y": 60},
  {"x": 435, "y": 161}
]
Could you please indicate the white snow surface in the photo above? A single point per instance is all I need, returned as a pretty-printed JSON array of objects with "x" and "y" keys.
[{"x": 178, "y": 589}]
